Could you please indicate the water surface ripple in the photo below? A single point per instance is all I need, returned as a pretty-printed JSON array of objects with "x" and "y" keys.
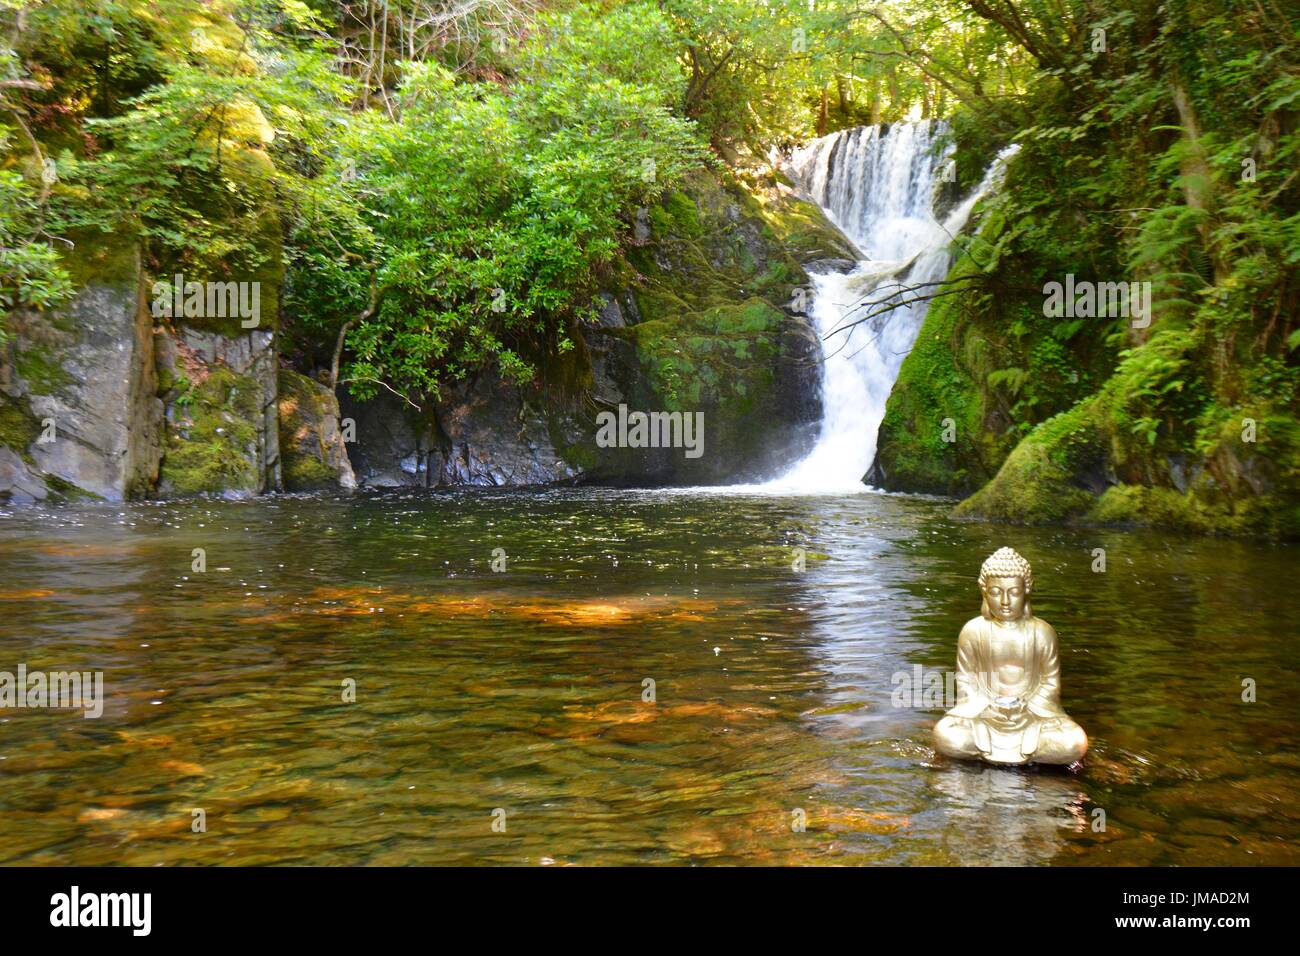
[{"x": 522, "y": 690}]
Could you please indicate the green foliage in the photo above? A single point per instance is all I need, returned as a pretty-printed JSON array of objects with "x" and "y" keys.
[
  {"x": 1167, "y": 158},
  {"x": 31, "y": 272},
  {"x": 178, "y": 162},
  {"x": 453, "y": 188},
  {"x": 482, "y": 215}
]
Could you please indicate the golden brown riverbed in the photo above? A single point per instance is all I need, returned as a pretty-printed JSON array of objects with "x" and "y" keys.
[{"x": 523, "y": 689}]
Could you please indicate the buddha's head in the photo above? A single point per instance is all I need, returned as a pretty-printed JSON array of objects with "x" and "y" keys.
[{"x": 1005, "y": 581}]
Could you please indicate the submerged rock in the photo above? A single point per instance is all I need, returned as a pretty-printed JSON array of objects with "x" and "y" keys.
[{"x": 18, "y": 483}]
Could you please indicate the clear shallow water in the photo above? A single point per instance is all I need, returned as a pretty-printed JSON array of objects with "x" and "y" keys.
[{"x": 522, "y": 690}]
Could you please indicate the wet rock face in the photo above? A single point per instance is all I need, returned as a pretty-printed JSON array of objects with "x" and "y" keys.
[
  {"x": 393, "y": 441},
  {"x": 99, "y": 402},
  {"x": 495, "y": 436},
  {"x": 84, "y": 379},
  {"x": 484, "y": 432},
  {"x": 19, "y": 485},
  {"x": 748, "y": 374}
]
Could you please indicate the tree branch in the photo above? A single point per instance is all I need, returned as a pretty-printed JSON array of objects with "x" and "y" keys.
[{"x": 347, "y": 327}]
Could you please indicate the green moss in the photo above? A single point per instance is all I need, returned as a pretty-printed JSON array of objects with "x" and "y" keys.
[
  {"x": 657, "y": 302},
  {"x": 306, "y": 473},
  {"x": 18, "y": 427},
  {"x": 937, "y": 396},
  {"x": 63, "y": 490},
  {"x": 40, "y": 369},
  {"x": 169, "y": 379},
  {"x": 1139, "y": 505},
  {"x": 303, "y": 405},
  {"x": 1038, "y": 482},
  {"x": 676, "y": 215},
  {"x": 212, "y": 447},
  {"x": 1100, "y": 463},
  {"x": 578, "y": 456},
  {"x": 719, "y": 357},
  {"x": 98, "y": 258},
  {"x": 803, "y": 229}
]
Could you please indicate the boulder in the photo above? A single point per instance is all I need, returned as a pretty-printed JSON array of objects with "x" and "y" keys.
[
  {"x": 313, "y": 456},
  {"x": 19, "y": 485}
]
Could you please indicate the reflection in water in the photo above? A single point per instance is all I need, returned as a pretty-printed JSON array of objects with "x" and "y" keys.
[
  {"x": 523, "y": 690},
  {"x": 1007, "y": 817}
]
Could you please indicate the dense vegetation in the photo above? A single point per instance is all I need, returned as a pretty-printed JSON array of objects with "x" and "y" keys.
[
  {"x": 445, "y": 185},
  {"x": 1159, "y": 144}
]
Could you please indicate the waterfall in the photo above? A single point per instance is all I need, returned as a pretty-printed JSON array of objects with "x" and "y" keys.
[{"x": 878, "y": 184}]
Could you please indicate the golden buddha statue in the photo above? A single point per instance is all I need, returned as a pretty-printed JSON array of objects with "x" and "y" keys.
[{"x": 1008, "y": 678}]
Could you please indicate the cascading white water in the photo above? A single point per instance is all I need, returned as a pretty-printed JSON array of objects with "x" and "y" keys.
[{"x": 878, "y": 184}]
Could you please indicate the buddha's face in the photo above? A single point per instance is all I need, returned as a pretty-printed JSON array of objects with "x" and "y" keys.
[{"x": 1005, "y": 598}]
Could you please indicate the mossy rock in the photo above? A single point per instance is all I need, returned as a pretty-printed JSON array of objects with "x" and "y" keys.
[
  {"x": 19, "y": 429},
  {"x": 305, "y": 473},
  {"x": 304, "y": 406},
  {"x": 1040, "y": 480},
  {"x": 985, "y": 369},
  {"x": 212, "y": 445},
  {"x": 98, "y": 258},
  {"x": 707, "y": 297},
  {"x": 40, "y": 368},
  {"x": 1086, "y": 466},
  {"x": 1275, "y": 516},
  {"x": 18, "y": 426},
  {"x": 719, "y": 357},
  {"x": 804, "y": 232},
  {"x": 938, "y": 397}
]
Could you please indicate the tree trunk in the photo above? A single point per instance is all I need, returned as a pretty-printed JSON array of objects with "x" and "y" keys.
[{"x": 1198, "y": 183}]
